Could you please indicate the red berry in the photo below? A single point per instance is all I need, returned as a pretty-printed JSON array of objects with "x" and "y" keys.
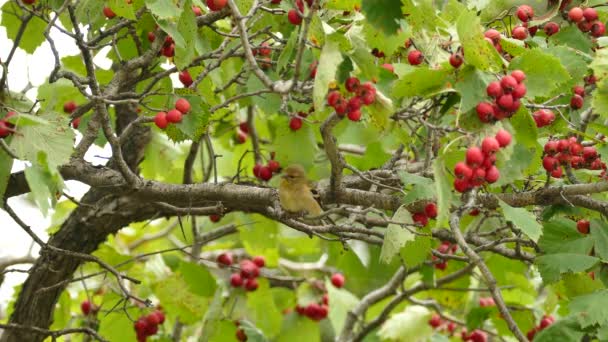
[
  {"x": 591, "y": 79},
  {"x": 295, "y": 123},
  {"x": 337, "y": 279},
  {"x": 240, "y": 335},
  {"x": 583, "y": 226},
  {"x": 325, "y": 299},
  {"x": 456, "y": 60},
  {"x": 494, "y": 89},
  {"x": 575, "y": 14},
  {"x": 493, "y": 35},
  {"x": 28, "y": 2},
  {"x": 525, "y": 13},
  {"x": 354, "y": 104},
  {"x": 294, "y": 17},
  {"x": 185, "y": 78},
  {"x": 474, "y": 156},
  {"x": 265, "y": 173},
  {"x": 584, "y": 26},
  {"x": 478, "y": 336},
  {"x": 224, "y": 259},
  {"x": 249, "y": 269},
  {"x": 492, "y": 174},
  {"x": 161, "y": 120},
  {"x": 152, "y": 319},
  {"x": 485, "y": 112},
  {"x": 107, "y": 11},
  {"x": 151, "y": 37},
  {"x": 75, "y": 123},
  {"x": 236, "y": 280},
  {"x": 435, "y": 320},
  {"x": 490, "y": 145},
  {"x": 415, "y": 57},
  {"x": 274, "y": 166},
  {"x": 576, "y": 102},
  {"x": 256, "y": 170},
  {"x": 69, "y": 107},
  {"x": 519, "y": 32},
  {"x": 462, "y": 171},
  {"x": 505, "y": 102},
  {"x": 589, "y": 153},
  {"x": 140, "y": 325},
  {"x": 420, "y": 219},
  {"x": 174, "y": 116},
  {"x": 352, "y": 84},
  {"x": 341, "y": 106},
  {"x": 551, "y": 28},
  {"x": 215, "y": 218},
  {"x": 354, "y": 115},
  {"x": 479, "y": 176},
  {"x": 519, "y": 91},
  {"x": 462, "y": 184},
  {"x": 519, "y": 75},
  {"x": 503, "y": 137},
  {"x": 182, "y": 105},
  {"x": 579, "y": 90},
  {"x": 216, "y": 5},
  {"x": 442, "y": 265},
  {"x": 431, "y": 210},
  {"x": 590, "y": 14},
  {"x": 259, "y": 261},
  {"x": 388, "y": 67},
  {"x": 508, "y": 83},
  {"x": 597, "y": 29},
  {"x": 551, "y": 147},
  {"x": 550, "y": 163},
  {"x": 240, "y": 137},
  {"x": 333, "y": 97},
  {"x": 197, "y": 11},
  {"x": 86, "y": 307},
  {"x": 251, "y": 284}
]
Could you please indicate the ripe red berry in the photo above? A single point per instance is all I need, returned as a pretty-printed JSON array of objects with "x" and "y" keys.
[
  {"x": 575, "y": 14},
  {"x": 478, "y": 336},
  {"x": 519, "y": 91},
  {"x": 107, "y": 11},
  {"x": 519, "y": 75},
  {"x": 215, "y": 218},
  {"x": 294, "y": 17},
  {"x": 550, "y": 163},
  {"x": 69, "y": 107},
  {"x": 519, "y": 32},
  {"x": 503, "y": 137},
  {"x": 462, "y": 184},
  {"x": 295, "y": 123},
  {"x": 182, "y": 105},
  {"x": 185, "y": 78},
  {"x": 505, "y": 102},
  {"x": 240, "y": 335},
  {"x": 354, "y": 103},
  {"x": 151, "y": 37},
  {"x": 75, "y": 123},
  {"x": 551, "y": 28},
  {"x": 341, "y": 106},
  {"x": 197, "y": 11},
  {"x": 415, "y": 57},
  {"x": 240, "y": 137},
  {"x": 579, "y": 90},
  {"x": 435, "y": 321},
  {"x": 584, "y": 26},
  {"x": 174, "y": 116},
  {"x": 525, "y": 13},
  {"x": 583, "y": 226},
  {"x": 551, "y": 147},
  {"x": 462, "y": 171},
  {"x": 494, "y": 89},
  {"x": 251, "y": 284},
  {"x": 589, "y": 153},
  {"x": 576, "y": 102},
  {"x": 590, "y": 14},
  {"x": 161, "y": 120},
  {"x": 492, "y": 174},
  {"x": 388, "y": 67},
  {"x": 354, "y": 115},
  {"x": 421, "y": 219},
  {"x": 333, "y": 97},
  {"x": 86, "y": 307},
  {"x": 236, "y": 280},
  {"x": 28, "y": 2},
  {"x": 456, "y": 60},
  {"x": 265, "y": 173},
  {"x": 431, "y": 210},
  {"x": 216, "y": 5},
  {"x": 597, "y": 29},
  {"x": 224, "y": 259},
  {"x": 490, "y": 145},
  {"x": 337, "y": 279},
  {"x": 474, "y": 156},
  {"x": 249, "y": 269},
  {"x": 493, "y": 35},
  {"x": 274, "y": 166},
  {"x": 352, "y": 84},
  {"x": 485, "y": 112},
  {"x": 259, "y": 261},
  {"x": 508, "y": 83},
  {"x": 479, "y": 176},
  {"x": 591, "y": 79}
]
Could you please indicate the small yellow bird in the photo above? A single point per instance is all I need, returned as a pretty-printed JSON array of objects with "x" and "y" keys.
[{"x": 294, "y": 192}]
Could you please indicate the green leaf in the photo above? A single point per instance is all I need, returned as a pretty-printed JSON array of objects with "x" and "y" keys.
[
  {"x": 117, "y": 326},
  {"x": 287, "y": 141},
  {"x": 580, "y": 284},
  {"x": 590, "y": 309},
  {"x": 396, "y": 236},
  {"x": 330, "y": 59},
  {"x": 298, "y": 328},
  {"x": 417, "y": 251},
  {"x": 443, "y": 189},
  {"x": 383, "y": 14},
  {"x": 261, "y": 238},
  {"x": 477, "y": 51},
  {"x": 44, "y": 184},
  {"x": 471, "y": 85},
  {"x": 560, "y": 236},
  {"x": 551, "y": 266},
  {"x": 178, "y": 301},
  {"x": 263, "y": 310},
  {"x": 566, "y": 329},
  {"x": 599, "y": 233},
  {"x": 54, "y": 138},
  {"x": 523, "y": 220},
  {"x": 122, "y": 9},
  {"x": 544, "y": 72},
  {"x": 342, "y": 301},
  {"x": 572, "y": 60},
  {"x": 163, "y": 9},
  {"x": 477, "y": 316},
  {"x": 198, "y": 278},
  {"x": 32, "y": 37},
  {"x": 184, "y": 54},
  {"x": 252, "y": 332},
  {"x": 421, "y": 81},
  {"x": 413, "y": 322},
  {"x": 573, "y": 37},
  {"x": 6, "y": 164},
  {"x": 345, "y": 5},
  {"x": 287, "y": 54}
]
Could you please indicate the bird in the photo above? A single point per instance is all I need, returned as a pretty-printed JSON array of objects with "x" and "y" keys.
[{"x": 295, "y": 194}]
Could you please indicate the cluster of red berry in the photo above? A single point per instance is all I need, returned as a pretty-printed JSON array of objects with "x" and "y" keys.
[
  {"x": 7, "y": 128},
  {"x": 264, "y": 51},
  {"x": 506, "y": 94},
  {"x": 486, "y": 302},
  {"x": 293, "y": 15},
  {"x": 587, "y": 20},
  {"x": 422, "y": 218},
  {"x": 265, "y": 172},
  {"x": 479, "y": 164},
  {"x": 493, "y": 37},
  {"x": 525, "y": 13},
  {"x": 570, "y": 152},
  {"x": 168, "y": 49},
  {"x": 250, "y": 270},
  {"x": 315, "y": 311},
  {"x": 445, "y": 248},
  {"x": 364, "y": 95},
  {"x": 450, "y": 327},
  {"x": 577, "y": 99},
  {"x": 148, "y": 325},
  {"x": 162, "y": 119},
  {"x": 546, "y": 321}
]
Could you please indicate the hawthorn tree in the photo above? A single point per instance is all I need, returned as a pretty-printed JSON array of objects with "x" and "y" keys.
[{"x": 454, "y": 146}]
